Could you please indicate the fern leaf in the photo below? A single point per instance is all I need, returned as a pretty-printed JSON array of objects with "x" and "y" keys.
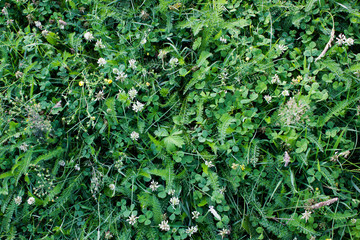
[{"x": 226, "y": 120}]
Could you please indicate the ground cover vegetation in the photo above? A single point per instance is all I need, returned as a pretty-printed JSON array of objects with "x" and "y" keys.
[{"x": 179, "y": 119}]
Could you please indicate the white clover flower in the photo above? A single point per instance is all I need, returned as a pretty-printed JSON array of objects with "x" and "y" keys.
[
  {"x": 101, "y": 62},
  {"x": 62, "y": 163},
  {"x": 121, "y": 76},
  {"x": 143, "y": 41},
  {"x": 24, "y": 147},
  {"x": 132, "y": 64},
  {"x": 88, "y": 36},
  {"x": 349, "y": 42},
  {"x": 154, "y": 185},
  {"x": 285, "y": 93},
  {"x": 138, "y": 106},
  {"x": 77, "y": 167},
  {"x": 164, "y": 226},
  {"x": 162, "y": 53},
  {"x": 174, "y": 201},
  {"x": 306, "y": 215},
  {"x": 18, "y": 200},
  {"x": 224, "y": 232},
  {"x": 99, "y": 44},
  {"x": 267, "y": 98},
  {"x": 132, "y": 93},
  {"x": 214, "y": 212},
  {"x": 275, "y": 79},
  {"x": 282, "y": 48},
  {"x": 209, "y": 164},
  {"x": 38, "y": 24},
  {"x": 192, "y": 230},
  {"x": 195, "y": 214},
  {"x": 31, "y": 200},
  {"x": 132, "y": 219},
  {"x": 235, "y": 166},
  {"x": 286, "y": 159},
  {"x": 45, "y": 33},
  {"x": 99, "y": 96},
  {"x": 134, "y": 136},
  {"x": 341, "y": 39},
  {"x": 173, "y": 62},
  {"x": 171, "y": 192},
  {"x": 112, "y": 187},
  {"x": 223, "y": 40}
]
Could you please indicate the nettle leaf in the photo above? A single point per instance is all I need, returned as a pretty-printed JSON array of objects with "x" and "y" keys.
[{"x": 171, "y": 142}]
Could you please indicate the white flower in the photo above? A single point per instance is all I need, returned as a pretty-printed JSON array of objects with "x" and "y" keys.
[
  {"x": 282, "y": 48},
  {"x": 224, "y": 232},
  {"x": 138, "y": 106},
  {"x": 143, "y": 41},
  {"x": 192, "y": 230},
  {"x": 222, "y": 190},
  {"x": 132, "y": 93},
  {"x": 99, "y": 96},
  {"x": 77, "y": 167},
  {"x": 162, "y": 53},
  {"x": 173, "y": 62},
  {"x": 112, "y": 187},
  {"x": 267, "y": 98},
  {"x": 121, "y": 76},
  {"x": 154, "y": 185},
  {"x": 341, "y": 39},
  {"x": 195, "y": 214},
  {"x": 353, "y": 220},
  {"x": 45, "y": 33},
  {"x": 209, "y": 163},
  {"x": 286, "y": 158},
  {"x": 62, "y": 163},
  {"x": 88, "y": 36},
  {"x": 31, "y": 200},
  {"x": 306, "y": 215},
  {"x": 174, "y": 201},
  {"x": 132, "y": 219},
  {"x": 38, "y": 24},
  {"x": 99, "y": 44},
  {"x": 171, "y": 192},
  {"x": 214, "y": 212},
  {"x": 164, "y": 226},
  {"x": 116, "y": 71},
  {"x": 275, "y": 79},
  {"x": 134, "y": 136},
  {"x": 24, "y": 147},
  {"x": 285, "y": 93},
  {"x": 101, "y": 62},
  {"x": 349, "y": 42},
  {"x": 132, "y": 64},
  {"x": 18, "y": 200},
  {"x": 223, "y": 40}
]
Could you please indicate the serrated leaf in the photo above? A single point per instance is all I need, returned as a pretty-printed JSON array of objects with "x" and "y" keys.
[{"x": 172, "y": 141}]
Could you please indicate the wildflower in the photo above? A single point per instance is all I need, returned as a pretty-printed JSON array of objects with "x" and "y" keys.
[
  {"x": 267, "y": 98},
  {"x": 162, "y": 53},
  {"x": 88, "y": 36},
  {"x": 108, "y": 81},
  {"x": 143, "y": 41},
  {"x": 154, "y": 185},
  {"x": 77, "y": 167},
  {"x": 286, "y": 159},
  {"x": 38, "y": 24},
  {"x": 174, "y": 201},
  {"x": 24, "y": 147},
  {"x": 293, "y": 112},
  {"x": 132, "y": 93},
  {"x": 209, "y": 163},
  {"x": 31, "y": 200},
  {"x": 195, "y": 214},
  {"x": 191, "y": 230},
  {"x": 144, "y": 15},
  {"x": 18, "y": 74},
  {"x": 101, "y": 62},
  {"x": 147, "y": 84},
  {"x": 353, "y": 220},
  {"x": 62, "y": 24},
  {"x": 234, "y": 166},
  {"x": 349, "y": 42},
  {"x": 173, "y": 62},
  {"x": 9, "y": 21},
  {"x": 44, "y": 33},
  {"x": 282, "y": 48},
  {"x": 62, "y": 163},
  {"x": 99, "y": 96},
  {"x": 18, "y": 200},
  {"x": 285, "y": 93},
  {"x": 164, "y": 226},
  {"x": 134, "y": 136},
  {"x": 223, "y": 40},
  {"x": 99, "y": 44},
  {"x": 341, "y": 39},
  {"x": 132, "y": 219},
  {"x": 108, "y": 235},
  {"x": 4, "y": 11},
  {"x": 81, "y": 83},
  {"x": 112, "y": 187},
  {"x": 242, "y": 166},
  {"x": 214, "y": 212},
  {"x": 224, "y": 232},
  {"x": 275, "y": 79},
  {"x": 306, "y": 215},
  {"x": 138, "y": 106},
  {"x": 121, "y": 76},
  {"x": 132, "y": 64},
  {"x": 171, "y": 192},
  {"x": 222, "y": 190}
]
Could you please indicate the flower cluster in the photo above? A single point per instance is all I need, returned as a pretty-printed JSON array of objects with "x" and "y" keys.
[{"x": 342, "y": 40}]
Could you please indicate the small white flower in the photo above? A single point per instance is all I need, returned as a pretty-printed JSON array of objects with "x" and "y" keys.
[
  {"x": 282, "y": 48},
  {"x": 77, "y": 167},
  {"x": 162, "y": 53},
  {"x": 267, "y": 98},
  {"x": 134, "y": 136},
  {"x": 349, "y": 42},
  {"x": 132, "y": 64},
  {"x": 99, "y": 44},
  {"x": 62, "y": 163},
  {"x": 24, "y": 147},
  {"x": 353, "y": 220},
  {"x": 154, "y": 185},
  {"x": 171, "y": 192},
  {"x": 275, "y": 79},
  {"x": 209, "y": 164},
  {"x": 164, "y": 226},
  {"x": 143, "y": 41},
  {"x": 174, "y": 201},
  {"x": 101, "y": 62},
  {"x": 222, "y": 190},
  {"x": 18, "y": 200},
  {"x": 138, "y": 106},
  {"x": 99, "y": 96},
  {"x": 286, "y": 158},
  {"x": 223, "y": 40},
  {"x": 31, "y": 200},
  {"x": 341, "y": 39},
  {"x": 285, "y": 93},
  {"x": 45, "y": 33},
  {"x": 214, "y": 212},
  {"x": 116, "y": 71},
  {"x": 132, "y": 93},
  {"x": 132, "y": 219},
  {"x": 112, "y": 187},
  {"x": 38, "y": 24},
  {"x": 306, "y": 215},
  {"x": 121, "y": 76},
  {"x": 173, "y": 62},
  {"x": 195, "y": 215},
  {"x": 191, "y": 230},
  {"x": 88, "y": 36},
  {"x": 224, "y": 232}
]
